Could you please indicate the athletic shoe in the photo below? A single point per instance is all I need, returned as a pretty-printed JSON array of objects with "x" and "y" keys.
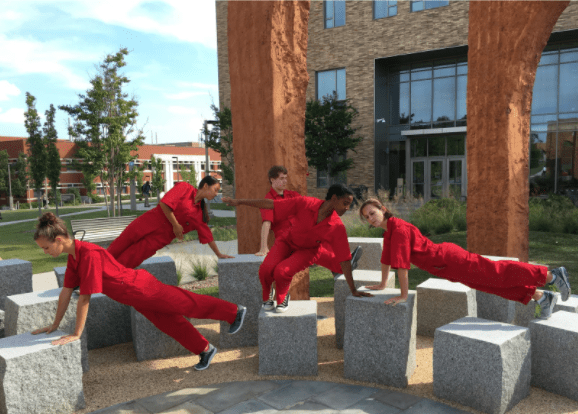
[
  {"x": 355, "y": 256},
  {"x": 206, "y": 358},
  {"x": 283, "y": 306},
  {"x": 270, "y": 303},
  {"x": 236, "y": 325},
  {"x": 562, "y": 282},
  {"x": 547, "y": 306}
]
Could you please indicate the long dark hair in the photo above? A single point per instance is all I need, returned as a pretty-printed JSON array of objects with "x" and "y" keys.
[
  {"x": 340, "y": 190},
  {"x": 49, "y": 227},
  {"x": 210, "y": 181}
]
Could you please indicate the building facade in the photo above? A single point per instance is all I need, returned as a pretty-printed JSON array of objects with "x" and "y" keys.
[{"x": 403, "y": 66}]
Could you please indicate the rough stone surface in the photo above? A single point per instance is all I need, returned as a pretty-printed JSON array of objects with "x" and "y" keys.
[
  {"x": 380, "y": 339},
  {"x": 372, "y": 248},
  {"x": 441, "y": 302},
  {"x": 108, "y": 322},
  {"x": 571, "y": 305},
  {"x": 29, "y": 311},
  {"x": 149, "y": 342},
  {"x": 288, "y": 341},
  {"x": 39, "y": 378},
  {"x": 15, "y": 278},
  {"x": 341, "y": 292},
  {"x": 482, "y": 364},
  {"x": 505, "y": 42},
  {"x": 59, "y": 272},
  {"x": 555, "y": 354},
  {"x": 163, "y": 268},
  {"x": 239, "y": 283},
  {"x": 1, "y": 324}
]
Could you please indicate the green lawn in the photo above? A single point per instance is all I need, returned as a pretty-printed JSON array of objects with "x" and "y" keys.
[
  {"x": 221, "y": 206},
  {"x": 25, "y": 214}
]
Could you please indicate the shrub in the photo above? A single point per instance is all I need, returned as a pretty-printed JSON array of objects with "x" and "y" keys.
[{"x": 440, "y": 216}]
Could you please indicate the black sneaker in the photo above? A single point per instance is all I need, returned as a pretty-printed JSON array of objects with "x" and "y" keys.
[
  {"x": 548, "y": 304},
  {"x": 206, "y": 358},
  {"x": 270, "y": 303},
  {"x": 562, "y": 282},
  {"x": 236, "y": 325},
  {"x": 283, "y": 306},
  {"x": 355, "y": 256}
]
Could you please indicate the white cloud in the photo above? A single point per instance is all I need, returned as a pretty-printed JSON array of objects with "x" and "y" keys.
[
  {"x": 13, "y": 116},
  {"x": 8, "y": 89},
  {"x": 182, "y": 110}
]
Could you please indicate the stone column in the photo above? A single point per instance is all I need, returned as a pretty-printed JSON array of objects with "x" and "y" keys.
[
  {"x": 505, "y": 41},
  {"x": 268, "y": 69}
]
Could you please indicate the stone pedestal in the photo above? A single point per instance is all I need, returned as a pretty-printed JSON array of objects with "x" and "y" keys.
[
  {"x": 15, "y": 278},
  {"x": 163, "y": 268},
  {"x": 288, "y": 341},
  {"x": 380, "y": 339},
  {"x": 571, "y": 305},
  {"x": 482, "y": 364},
  {"x": 108, "y": 322},
  {"x": 59, "y": 272},
  {"x": 372, "y": 249}
]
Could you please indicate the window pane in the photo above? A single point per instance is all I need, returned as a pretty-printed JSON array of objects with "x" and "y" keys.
[
  {"x": 436, "y": 147},
  {"x": 393, "y": 10},
  {"x": 416, "y": 6},
  {"x": 329, "y": 14},
  {"x": 538, "y": 151},
  {"x": 444, "y": 99},
  {"x": 436, "y": 180},
  {"x": 341, "y": 84},
  {"x": 418, "y": 178},
  {"x": 429, "y": 4},
  {"x": 462, "y": 97},
  {"x": 549, "y": 57},
  {"x": 569, "y": 56},
  {"x": 421, "y": 74},
  {"x": 418, "y": 148},
  {"x": 325, "y": 83},
  {"x": 421, "y": 101},
  {"x": 567, "y": 154},
  {"x": 569, "y": 87},
  {"x": 545, "y": 87},
  {"x": 542, "y": 119},
  {"x": 456, "y": 145},
  {"x": 404, "y": 103},
  {"x": 462, "y": 69},
  {"x": 339, "y": 13},
  {"x": 446, "y": 70},
  {"x": 379, "y": 9}
]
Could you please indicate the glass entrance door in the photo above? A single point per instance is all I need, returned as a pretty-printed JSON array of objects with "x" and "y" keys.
[
  {"x": 437, "y": 179},
  {"x": 455, "y": 181}
]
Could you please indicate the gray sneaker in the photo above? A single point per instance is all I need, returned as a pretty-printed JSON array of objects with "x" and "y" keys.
[
  {"x": 270, "y": 303},
  {"x": 547, "y": 306},
  {"x": 206, "y": 358},
  {"x": 562, "y": 282}
]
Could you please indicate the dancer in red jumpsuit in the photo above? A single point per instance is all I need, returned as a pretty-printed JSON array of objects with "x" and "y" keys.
[
  {"x": 180, "y": 211},
  {"x": 404, "y": 244},
  {"x": 94, "y": 269},
  {"x": 315, "y": 222}
]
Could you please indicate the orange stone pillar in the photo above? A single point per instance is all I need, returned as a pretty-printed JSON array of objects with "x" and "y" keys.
[
  {"x": 505, "y": 42},
  {"x": 268, "y": 70}
]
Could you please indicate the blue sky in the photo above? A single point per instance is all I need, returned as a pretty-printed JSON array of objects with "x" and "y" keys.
[{"x": 51, "y": 48}]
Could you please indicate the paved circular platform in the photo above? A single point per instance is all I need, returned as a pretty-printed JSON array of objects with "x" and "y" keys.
[{"x": 287, "y": 396}]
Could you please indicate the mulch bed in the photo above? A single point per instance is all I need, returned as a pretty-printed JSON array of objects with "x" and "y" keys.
[{"x": 201, "y": 284}]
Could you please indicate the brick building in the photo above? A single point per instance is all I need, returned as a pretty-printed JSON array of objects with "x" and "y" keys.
[
  {"x": 404, "y": 66},
  {"x": 172, "y": 156}
]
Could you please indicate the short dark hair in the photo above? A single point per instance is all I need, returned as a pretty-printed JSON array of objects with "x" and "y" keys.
[
  {"x": 275, "y": 170},
  {"x": 340, "y": 190}
]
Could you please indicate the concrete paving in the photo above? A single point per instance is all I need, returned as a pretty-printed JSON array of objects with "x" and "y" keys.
[{"x": 281, "y": 396}]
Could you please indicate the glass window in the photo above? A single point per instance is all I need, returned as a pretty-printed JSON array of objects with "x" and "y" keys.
[
  {"x": 549, "y": 58},
  {"x": 419, "y": 5},
  {"x": 456, "y": 145},
  {"x": 384, "y": 8},
  {"x": 421, "y": 105},
  {"x": 334, "y": 13},
  {"x": 436, "y": 147},
  {"x": 418, "y": 147},
  {"x": 545, "y": 90},
  {"x": 568, "y": 87},
  {"x": 444, "y": 70},
  {"x": 330, "y": 81},
  {"x": 444, "y": 100},
  {"x": 418, "y": 178},
  {"x": 462, "y": 68},
  {"x": 461, "y": 97},
  {"x": 404, "y": 103},
  {"x": 570, "y": 55}
]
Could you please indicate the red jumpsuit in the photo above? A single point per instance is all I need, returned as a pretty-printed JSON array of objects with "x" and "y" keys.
[
  {"x": 96, "y": 271},
  {"x": 326, "y": 257},
  {"x": 404, "y": 244},
  {"x": 300, "y": 245},
  {"x": 153, "y": 231}
]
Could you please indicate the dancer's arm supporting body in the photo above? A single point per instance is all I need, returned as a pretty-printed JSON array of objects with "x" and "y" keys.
[{"x": 403, "y": 245}]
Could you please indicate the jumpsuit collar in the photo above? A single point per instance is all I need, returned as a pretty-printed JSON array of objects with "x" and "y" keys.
[{"x": 314, "y": 207}]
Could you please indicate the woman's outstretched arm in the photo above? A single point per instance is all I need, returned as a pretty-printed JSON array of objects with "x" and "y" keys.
[
  {"x": 403, "y": 285},
  {"x": 259, "y": 203},
  {"x": 63, "y": 301},
  {"x": 81, "y": 314},
  {"x": 384, "y": 276}
]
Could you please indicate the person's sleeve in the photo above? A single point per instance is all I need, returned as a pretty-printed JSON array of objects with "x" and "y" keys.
[
  {"x": 205, "y": 234},
  {"x": 400, "y": 248},
  {"x": 266, "y": 213},
  {"x": 90, "y": 272},
  {"x": 340, "y": 244},
  {"x": 386, "y": 254},
  {"x": 287, "y": 208},
  {"x": 71, "y": 280},
  {"x": 174, "y": 196}
]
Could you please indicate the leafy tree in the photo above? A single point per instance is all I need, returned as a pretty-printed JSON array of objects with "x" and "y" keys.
[
  {"x": 4, "y": 171},
  {"x": 329, "y": 134},
  {"x": 53, "y": 165},
  {"x": 37, "y": 159},
  {"x": 157, "y": 181},
  {"x": 220, "y": 139},
  {"x": 19, "y": 175},
  {"x": 190, "y": 176}
]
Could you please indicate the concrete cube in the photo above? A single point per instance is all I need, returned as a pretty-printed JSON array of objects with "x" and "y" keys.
[
  {"x": 380, "y": 339},
  {"x": 108, "y": 322},
  {"x": 38, "y": 377},
  {"x": 288, "y": 341},
  {"x": 341, "y": 292},
  {"x": 163, "y": 268},
  {"x": 555, "y": 354},
  {"x": 571, "y": 305},
  {"x": 59, "y": 272},
  {"x": 15, "y": 278},
  {"x": 29, "y": 311},
  {"x": 149, "y": 342},
  {"x": 372, "y": 248},
  {"x": 441, "y": 302},
  {"x": 482, "y": 364},
  {"x": 239, "y": 284}
]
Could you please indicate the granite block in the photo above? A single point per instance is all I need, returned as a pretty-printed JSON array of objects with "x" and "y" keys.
[
  {"x": 149, "y": 342},
  {"x": 29, "y": 311},
  {"x": 372, "y": 249},
  {"x": 239, "y": 284},
  {"x": 571, "y": 305},
  {"x": 15, "y": 278},
  {"x": 555, "y": 354},
  {"x": 341, "y": 292},
  {"x": 1, "y": 324},
  {"x": 482, "y": 364},
  {"x": 163, "y": 268},
  {"x": 59, "y": 272},
  {"x": 288, "y": 341},
  {"x": 441, "y": 302},
  {"x": 108, "y": 322},
  {"x": 380, "y": 339},
  {"x": 38, "y": 377}
]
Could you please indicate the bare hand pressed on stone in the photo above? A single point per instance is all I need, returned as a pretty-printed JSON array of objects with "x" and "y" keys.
[{"x": 395, "y": 301}]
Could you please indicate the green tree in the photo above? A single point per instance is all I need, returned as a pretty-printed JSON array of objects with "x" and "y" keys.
[
  {"x": 4, "y": 171},
  {"x": 157, "y": 181},
  {"x": 329, "y": 135},
  {"x": 53, "y": 165},
  {"x": 19, "y": 176},
  {"x": 220, "y": 139},
  {"x": 190, "y": 176},
  {"x": 37, "y": 158}
]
